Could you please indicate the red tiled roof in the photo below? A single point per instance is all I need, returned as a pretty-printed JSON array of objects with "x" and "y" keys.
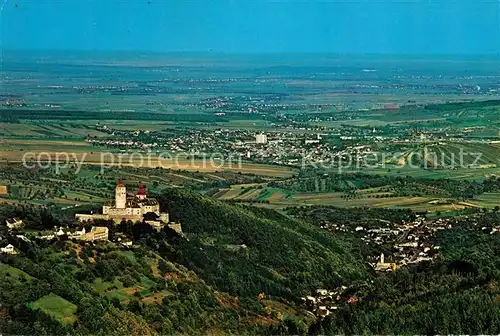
[{"x": 142, "y": 190}]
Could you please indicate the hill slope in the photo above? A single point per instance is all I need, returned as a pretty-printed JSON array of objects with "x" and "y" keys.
[
  {"x": 207, "y": 282},
  {"x": 245, "y": 250}
]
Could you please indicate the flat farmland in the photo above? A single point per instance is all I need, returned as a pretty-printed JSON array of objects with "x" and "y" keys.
[
  {"x": 487, "y": 200},
  {"x": 278, "y": 199},
  {"x": 200, "y": 166},
  {"x": 48, "y": 129},
  {"x": 451, "y": 155},
  {"x": 15, "y": 150},
  {"x": 454, "y": 174},
  {"x": 252, "y": 192}
]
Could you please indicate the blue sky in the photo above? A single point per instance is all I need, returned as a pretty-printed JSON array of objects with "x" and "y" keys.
[{"x": 259, "y": 26}]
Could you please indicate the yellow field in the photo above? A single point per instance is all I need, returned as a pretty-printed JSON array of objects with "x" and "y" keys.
[
  {"x": 3, "y": 190},
  {"x": 251, "y": 195},
  {"x": 198, "y": 165},
  {"x": 43, "y": 143},
  {"x": 15, "y": 150},
  {"x": 276, "y": 196},
  {"x": 228, "y": 193}
]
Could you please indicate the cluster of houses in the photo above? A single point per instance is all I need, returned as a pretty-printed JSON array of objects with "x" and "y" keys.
[
  {"x": 411, "y": 244},
  {"x": 121, "y": 143},
  {"x": 284, "y": 148},
  {"x": 96, "y": 233},
  {"x": 410, "y": 241},
  {"x": 324, "y": 302}
]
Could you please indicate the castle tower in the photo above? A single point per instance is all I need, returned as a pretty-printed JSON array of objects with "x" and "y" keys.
[
  {"x": 141, "y": 193},
  {"x": 120, "y": 195}
]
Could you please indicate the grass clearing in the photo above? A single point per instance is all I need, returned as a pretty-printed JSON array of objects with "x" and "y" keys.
[
  {"x": 14, "y": 272},
  {"x": 129, "y": 255},
  {"x": 57, "y": 307},
  {"x": 105, "y": 286},
  {"x": 157, "y": 297}
]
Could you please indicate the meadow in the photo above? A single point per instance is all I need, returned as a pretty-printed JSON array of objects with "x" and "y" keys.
[{"x": 57, "y": 307}]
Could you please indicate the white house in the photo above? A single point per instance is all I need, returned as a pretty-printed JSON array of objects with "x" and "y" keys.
[
  {"x": 9, "y": 249},
  {"x": 14, "y": 223}
]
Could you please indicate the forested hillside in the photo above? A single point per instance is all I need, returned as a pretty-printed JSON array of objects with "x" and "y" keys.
[
  {"x": 235, "y": 270},
  {"x": 458, "y": 295},
  {"x": 239, "y": 269},
  {"x": 245, "y": 251}
]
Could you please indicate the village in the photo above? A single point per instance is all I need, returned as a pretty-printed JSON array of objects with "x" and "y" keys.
[
  {"x": 411, "y": 244},
  {"x": 287, "y": 148},
  {"x": 324, "y": 302},
  {"x": 295, "y": 144}
]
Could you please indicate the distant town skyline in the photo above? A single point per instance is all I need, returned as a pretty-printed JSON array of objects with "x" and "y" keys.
[{"x": 459, "y": 27}]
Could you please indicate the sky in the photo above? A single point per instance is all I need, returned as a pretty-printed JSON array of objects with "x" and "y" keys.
[{"x": 449, "y": 27}]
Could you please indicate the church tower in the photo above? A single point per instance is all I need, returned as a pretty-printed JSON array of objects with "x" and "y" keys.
[{"x": 120, "y": 195}]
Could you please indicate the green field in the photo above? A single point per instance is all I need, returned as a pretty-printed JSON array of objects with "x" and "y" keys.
[
  {"x": 450, "y": 155},
  {"x": 277, "y": 198},
  {"x": 13, "y": 272},
  {"x": 47, "y": 129},
  {"x": 57, "y": 307}
]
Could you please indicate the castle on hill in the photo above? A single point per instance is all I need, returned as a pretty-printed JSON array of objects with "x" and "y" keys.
[{"x": 136, "y": 208}]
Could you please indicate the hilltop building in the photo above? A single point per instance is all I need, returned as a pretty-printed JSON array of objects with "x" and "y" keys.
[
  {"x": 130, "y": 208},
  {"x": 136, "y": 208},
  {"x": 125, "y": 207}
]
